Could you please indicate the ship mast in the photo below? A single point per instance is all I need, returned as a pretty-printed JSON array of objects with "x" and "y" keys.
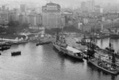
[
  {"x": 57, "y": 36},
  {"x": 111, "y": 50}
]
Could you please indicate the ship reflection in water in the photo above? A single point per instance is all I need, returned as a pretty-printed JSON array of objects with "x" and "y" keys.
[
  {"x": 44, "y": 63},
  {"x": 105, "y": 43}
]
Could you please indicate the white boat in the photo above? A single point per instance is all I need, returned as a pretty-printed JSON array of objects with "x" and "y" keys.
[
  {"x": 75, "y": 53},
  {"x": 16, "y": 53}
]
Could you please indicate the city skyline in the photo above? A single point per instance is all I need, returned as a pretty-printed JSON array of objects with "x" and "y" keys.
[{"x": 63, "y": 3}]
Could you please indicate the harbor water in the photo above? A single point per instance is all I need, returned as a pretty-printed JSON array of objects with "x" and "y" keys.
[{"x": 43, "y": 62}]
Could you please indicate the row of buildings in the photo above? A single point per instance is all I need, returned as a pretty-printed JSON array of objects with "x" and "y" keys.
[
  {"x": 53, "y": 16},
  {"x": 90, "y": 6},
  {"x": 50, "y": 17},
  {"x": 22, "y": 15}
]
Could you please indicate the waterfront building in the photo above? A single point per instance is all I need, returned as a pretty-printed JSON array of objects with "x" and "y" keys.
[
  {"x": 13, "y": 15},
  {"x": 39, "y": 19},
  {"x": 83, "y": 6},
  {"x": 32, "y": 19},
  {"x": 79, "y": 25},
  {"x": 51, "y": 16},
  {"x": 35, "y": 19},
  {"x": 4, "y": 18},
  {"x": 23, "y": 18},
  {"x": 68, "y": 18},
  {"x": 22, "y": 8},
  {"x": 97, "y": 9},
  {"x": 88, "y": 6},
  {"x": 63, "y": 22}
]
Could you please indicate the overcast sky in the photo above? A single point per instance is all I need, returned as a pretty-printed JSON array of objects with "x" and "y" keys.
[{"x": 64, "y": 3}]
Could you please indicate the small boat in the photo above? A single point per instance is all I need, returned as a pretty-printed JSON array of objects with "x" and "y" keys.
[
  {"x": 16, "y": 53},
  {"x": 105, "y": 66},
  {"x": 43, "y": 43},
  {"x": 4, "y": 46}
]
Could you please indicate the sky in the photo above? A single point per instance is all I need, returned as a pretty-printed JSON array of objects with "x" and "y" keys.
[{"x": 63, "y": 3}]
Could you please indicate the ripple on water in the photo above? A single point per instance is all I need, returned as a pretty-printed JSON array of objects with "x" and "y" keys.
[{"x": 10, "y": 75}]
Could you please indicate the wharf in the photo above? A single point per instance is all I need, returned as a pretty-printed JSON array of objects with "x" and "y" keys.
[{"x": 71, "y": 41}]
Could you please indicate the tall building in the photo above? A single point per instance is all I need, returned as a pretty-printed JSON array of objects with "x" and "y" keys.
[
  {"x": 39, "y": 20},
  {"x": 23, "y": 18},
  {"x": 83, "y": 6},
  {"x": 35, "y": 19},
  {"x": 4, "y": 15},
  {"x": 51, "y": 16},
  {"x": 88, "y": 5},
  {"x": 23, "y": 8},
  {"x": 67, "y": 17}
]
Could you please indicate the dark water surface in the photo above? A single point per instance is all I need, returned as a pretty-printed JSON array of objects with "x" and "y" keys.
[{"x": 44, "y": 63}]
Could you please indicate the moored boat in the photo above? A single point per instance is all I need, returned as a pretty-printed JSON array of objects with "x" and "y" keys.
[
  {"x": 60, "y": 43},
  {"x": 60, "y": 47},
  {"x": 16, "y": 53},
  {"x": 75, "y": 53},
  {"x": 56, "y": 46},
  {"x": 105, "y": 66}
]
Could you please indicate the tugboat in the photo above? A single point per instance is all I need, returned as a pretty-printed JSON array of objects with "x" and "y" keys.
[
  {"x": 4, "y": 46},
  {"x": 16, "y": 53},
  {"x": 104, "y": 65}
]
